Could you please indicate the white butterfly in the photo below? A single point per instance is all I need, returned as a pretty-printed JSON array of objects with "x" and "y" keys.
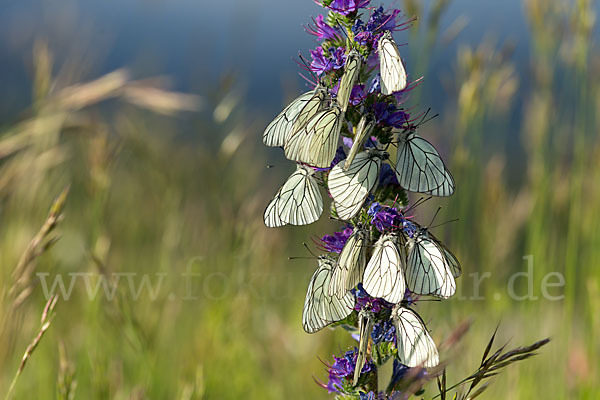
[
  {"x": 297, "y": 202},
  {"x": 321, "y": 309},
  {"x": 350, "y": 188},
  {"x": 415, "y": 346},
  {"x": 363, "y": 130},
  {"x": 365, "y": 326},
  {"x": 350, "y": 266},
  {"x": 430, "y": 267},
  {"x": 316, "y": 143},
  {"x": 420, "y": 168},
  {"x": 296, "y": 114},
  {"x": 393, "y": 74},
  {"x": 384, "y": 275},
  {"x": 349, "y": 78}
]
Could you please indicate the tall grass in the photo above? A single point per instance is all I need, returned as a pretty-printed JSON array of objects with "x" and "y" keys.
[{"x": 145, "y": 199}]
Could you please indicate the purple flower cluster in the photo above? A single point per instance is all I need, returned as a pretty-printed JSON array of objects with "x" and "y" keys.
[
  {"x": 322, "y": 30},
  {"x": 335, "y": 243},
  {"x": 383, "y": 331},
  {"x": 409, "y": 228},
  {"x": 357, "y": 95},
  {"x": 395, "y": 395},
  {"x": 398, "y": 372},
  {"x": 367, "y": 33},
  {"x": 344, "y": 7},
  {"x": 342, "y": 368},
  {"x": 387, "y": 176},
  {"x": 385, "y": 218},
  {"x": 323, "y": 62},
  {"x": 388, "y": 114},
  {"x": 363, "y": 300}
]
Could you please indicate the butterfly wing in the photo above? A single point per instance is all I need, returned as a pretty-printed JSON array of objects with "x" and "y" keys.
[
  {"x": 364, "y": 128},
  {"x": 384, "y": 274},
  {"x": 393, "y": 74},
  {"x": 349, "y": 78},
  {"x": 350, "y": 266},
  {"x": 277, "y": 131},
  {"x": 321, "y": 309},
  {"x": 452, "y": 262},
  {"x": 318, "y": 102},
  {"x": 298, "y": 201},
  {"x": 415, "y": 345},
  {"x": 365, "y": 326},
  {"x": 428, "y": 272},
  {"x": 349, "y": 188},
  {"x": 324, "y": 133},
  {"x": 420, "y": 168}
]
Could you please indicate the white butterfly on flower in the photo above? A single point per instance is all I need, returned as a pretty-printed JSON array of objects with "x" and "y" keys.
[
  {"x": 365, "y": 326},
  {"x": 363, "y": 130},
  {"x": 295, "y": 115},
  {"x": 350, "y": 188},
  {"x": 384, "y": 274},
  {"x": 431, "y": 268},
  {"x": 315, "y": 135},
  {"x": 349, "y": 78},
  {"x": 297, "y": 202},
  {"x": 316, "y": 142},
  {"x": 419, "y": 167},
  {"x": 350, "y": 266},
  {"x": 393, "y": 74},
  {"x": 321, "y": 308},
  {"x": 415, "y": 346}
]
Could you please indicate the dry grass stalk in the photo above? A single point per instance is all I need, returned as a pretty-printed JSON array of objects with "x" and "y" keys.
[
  {"x": 40, "y": 243},
  {"x": 46, "y": 320}
]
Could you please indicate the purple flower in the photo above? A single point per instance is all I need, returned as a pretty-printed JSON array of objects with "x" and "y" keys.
[
  {"x": 387, "y": 176},
  {"x": 374, "y": 209},
  {"x": 322, "y": 30},
  {"x": 335, "y": 243},
  {"x": 347, "y": 141},
  {"x": 340, "y": 155},
  {"x": 363, "y": 300},
  {"x": 357, "y": 95},
  {"x": 345, "y": 7},
  {"x": 384, "y": 331},
  {"x": 321, "y": 63},
  {"x": 385, "y": 218},
  {"x": 409, "y": 228},
  {"x": 343, "y": 367},
  {"x": 379, "y": 21},
  {"x": 375, "y": 84},
  {"x": 388, "y": 114},
  {"x": 367, "y": 396},
  {"x": 399, "y": 371},
  {"x": 410, "y": 298}
]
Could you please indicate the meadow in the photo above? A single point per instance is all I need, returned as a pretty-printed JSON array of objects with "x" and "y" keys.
[{"x": 99, "y": 186}]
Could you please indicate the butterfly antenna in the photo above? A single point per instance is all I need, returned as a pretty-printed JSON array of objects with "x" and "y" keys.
[
  {"x": 309, "y": 250},
  {"x": 424, "y": 118},
  {"x": 443, "y": 223},
  {"x": 434, "y": 216},
  {"x": 308, "y": 67},
  {"x": 337, "y": 219},
  {"x": 344, "y": 32},
  {"x": 417, "y": 203}
]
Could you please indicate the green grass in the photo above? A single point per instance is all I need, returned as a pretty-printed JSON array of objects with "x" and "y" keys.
[{"x": 142, "y": 200}]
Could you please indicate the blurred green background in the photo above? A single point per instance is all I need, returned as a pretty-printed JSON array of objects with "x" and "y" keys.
[{"x": 152, "y": 112}]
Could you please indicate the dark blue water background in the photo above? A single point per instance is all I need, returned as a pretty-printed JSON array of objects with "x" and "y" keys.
[{"x": 198, "y": 42}]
